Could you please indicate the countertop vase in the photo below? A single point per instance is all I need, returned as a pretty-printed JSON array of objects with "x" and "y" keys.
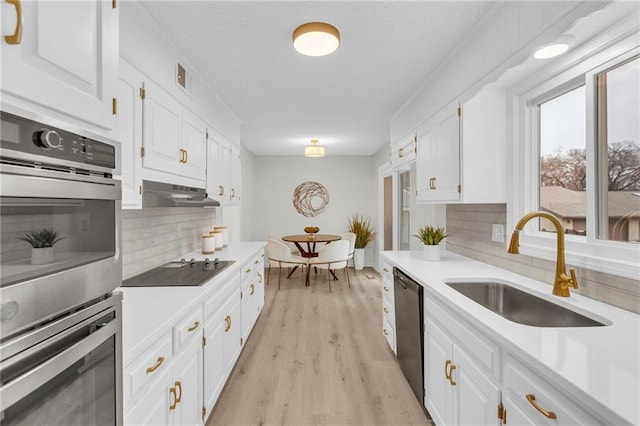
[
  {"x": 431, "y": 253},
  {"x": 41, "y": 256}
]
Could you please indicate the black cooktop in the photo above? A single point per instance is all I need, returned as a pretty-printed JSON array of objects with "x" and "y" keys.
[{"x": 182, "y": 273}]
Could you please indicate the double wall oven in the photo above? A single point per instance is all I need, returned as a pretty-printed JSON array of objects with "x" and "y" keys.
[{"x": 60, "y": 319}]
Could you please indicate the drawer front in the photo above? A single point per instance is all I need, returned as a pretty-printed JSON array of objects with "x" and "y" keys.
[
  {"x": 217, "y": 298},
  {"x": 387, "y": 291},
  {"x": 387, "y": 272},
  {"x": 485, "y": 352},
  {"x": 528, "y": 389},
  {"x": 250, "y": 267},
  {"x": 388, "y": 312},
  {"x": 187, "y": 329},
  {"x": 389, "y": 334},
  {"x": 150, "y": 365}
]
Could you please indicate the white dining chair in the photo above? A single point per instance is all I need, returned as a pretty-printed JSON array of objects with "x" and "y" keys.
[
  {"x": 351, "y": 237},
  {"x": 331, "y": 257},
  {"x": 280, "y": 256}
]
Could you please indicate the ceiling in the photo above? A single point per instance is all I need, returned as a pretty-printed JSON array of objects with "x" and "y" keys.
[{"x": 245, "y": 52}]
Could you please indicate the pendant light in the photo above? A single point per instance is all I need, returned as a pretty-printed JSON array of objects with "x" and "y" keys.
[
  {"x": 316, "y": 39},
  {"x": 314, "y": 150}
]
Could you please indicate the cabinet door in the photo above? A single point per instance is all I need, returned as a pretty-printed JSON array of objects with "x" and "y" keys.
[
  {"x": 260, "y": 287},
  {"x": 214, "y": 185},
  {"x": 214, "y": 367},
  {"x": 187, "y": 376},
  {"x": 194, "y": 144},
  {"x": 447, "y": 161},
  {"x": 67, "y": 60},
  {"x": 224, "y": 167},
  {"x": 234, "y": 176},
  {"x": 426, "y": 168},
  {"x": 475, "y": 397},
  {"x": 233, "y": 332},
  {"x": 130, "y": 134},
  {"x": 161, "y": 130},
  {"x": 438, "y": 387},
  {"x": 249, "y": 306}
]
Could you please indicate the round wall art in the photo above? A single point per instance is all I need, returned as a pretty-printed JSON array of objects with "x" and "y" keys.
[{"x": 310, "y": 198}]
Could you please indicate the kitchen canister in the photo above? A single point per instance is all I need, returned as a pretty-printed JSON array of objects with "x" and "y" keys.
[
  {"x": 225, "y": 234},
  {"x": 208, "y": 244},
  {"x": 219, "y": 239}
]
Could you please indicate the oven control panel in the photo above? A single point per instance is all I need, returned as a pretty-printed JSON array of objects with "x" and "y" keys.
[{"x": 30, "y": 137}]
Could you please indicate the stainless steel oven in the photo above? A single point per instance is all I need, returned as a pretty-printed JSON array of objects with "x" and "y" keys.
[{"x": 58, "y": 313}]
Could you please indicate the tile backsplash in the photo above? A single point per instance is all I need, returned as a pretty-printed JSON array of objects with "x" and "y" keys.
[
  {"x": 469, "y": 229},
  {"x": 153, "y": 236}
]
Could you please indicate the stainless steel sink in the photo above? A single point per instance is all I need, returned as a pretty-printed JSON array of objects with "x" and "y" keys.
[{"x": 521, "y": 307}]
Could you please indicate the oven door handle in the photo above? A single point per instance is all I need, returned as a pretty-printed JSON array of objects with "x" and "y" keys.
[{"x": 23, "y": 385}]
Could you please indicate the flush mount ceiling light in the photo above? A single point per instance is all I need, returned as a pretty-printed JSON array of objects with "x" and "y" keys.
[
  {"x": 316, "y": 39},
  {"x": 314, "y": 150},
  {"x": 551, "y": 50}
]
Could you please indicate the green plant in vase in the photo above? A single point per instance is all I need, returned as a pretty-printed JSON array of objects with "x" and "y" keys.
[
  {"x": 363, "y": 230},
  {"x": 431, "y": 237}
]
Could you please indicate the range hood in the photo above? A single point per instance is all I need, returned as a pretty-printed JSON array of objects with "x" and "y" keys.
[{"x": 159, "y": 194}]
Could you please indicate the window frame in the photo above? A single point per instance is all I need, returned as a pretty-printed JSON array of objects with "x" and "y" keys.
[{"x": 612, "y": 257}]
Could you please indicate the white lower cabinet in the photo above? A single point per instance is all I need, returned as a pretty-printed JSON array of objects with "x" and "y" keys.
[
  {"x": 458, "y": 392},
  {"x": 388, "y": 306},
  {"x": 174, "y": 398}
]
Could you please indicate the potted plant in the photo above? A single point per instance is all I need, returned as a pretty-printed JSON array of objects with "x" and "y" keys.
[
  {"x": 364, "y": 234},
  {"x": 431, "y": 237},
  {"x": 42, "y": 242}
]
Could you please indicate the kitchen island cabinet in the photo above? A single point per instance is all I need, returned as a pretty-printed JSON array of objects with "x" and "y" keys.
[
  {"x": 570, "y": 371},
  {"x": 181, "y": 343}
]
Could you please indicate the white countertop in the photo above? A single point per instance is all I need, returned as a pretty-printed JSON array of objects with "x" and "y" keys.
[
  {"x": 154, "y": 310},
  {"x": 603, "y": 363}
]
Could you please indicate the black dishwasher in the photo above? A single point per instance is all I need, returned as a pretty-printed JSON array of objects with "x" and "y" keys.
[{"x": 410, "y": 330}]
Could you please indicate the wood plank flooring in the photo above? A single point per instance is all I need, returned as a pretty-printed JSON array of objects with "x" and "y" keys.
[{"x": 318, "y": 358}]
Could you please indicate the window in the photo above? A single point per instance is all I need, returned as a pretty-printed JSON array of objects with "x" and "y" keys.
[{"x": 579, "y": 158}]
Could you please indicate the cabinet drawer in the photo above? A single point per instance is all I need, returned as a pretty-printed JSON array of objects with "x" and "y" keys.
[
  {"x": 480, "y": 347},
  {"x": 387, "y": 291},
  {"x": 250, "y": 267},
  {"x": 148, "y": 366},
  {"x": 217, "y": 298},
  {"x": 520, "y": 382},
  {"x": 387, "y": 272},
  {"x": 388, "y": 311},
  {"x": 186, "y": 329},
  {"x": 389, "y": 334}
]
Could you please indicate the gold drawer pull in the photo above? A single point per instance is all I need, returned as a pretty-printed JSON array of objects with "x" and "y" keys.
[
  {"x": 386, "y": 288},
  {"x": 384, "y": 331},
  {"x": 227, "y": 321},
  {"x": 256, "y": 262},
  {"x": 220, "y": 190},
  {"x": 178, "y": 387},
  {"x": 532, "y": 400},
  {"x": 385, "y": 269},
  {"x": 16, "y": 37},
  {"x": 260, "y": 276},
  {"x": 386, "y": 311},
  {"x": 156, "y": 366},
  {"x": 175, "y": 399},
  {"x": 248, "y": 270},
  {"x": 194, "y": 326},
  {"x": 453, "y": 383},
  {"x": 253, "y": 289},
  {"x": 446, "y": 369}
]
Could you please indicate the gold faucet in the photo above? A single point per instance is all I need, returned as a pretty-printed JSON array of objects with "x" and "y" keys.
[{"x": 562, "y": 281}]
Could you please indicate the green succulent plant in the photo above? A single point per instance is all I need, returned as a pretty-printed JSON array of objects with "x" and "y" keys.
[
  {"x": 41, "y": 238},
  {"x": 363, "y": 230},
  {"x": 431, "y": 236}
]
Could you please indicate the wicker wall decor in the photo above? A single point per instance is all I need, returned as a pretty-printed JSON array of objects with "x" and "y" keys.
[{"x": 310, "y": 198}]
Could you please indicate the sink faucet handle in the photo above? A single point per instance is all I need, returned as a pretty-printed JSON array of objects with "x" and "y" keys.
[{"x": 574, "y": 280}]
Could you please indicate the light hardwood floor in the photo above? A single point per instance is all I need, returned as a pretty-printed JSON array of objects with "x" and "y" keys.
[{"x": 318, "y": 358}]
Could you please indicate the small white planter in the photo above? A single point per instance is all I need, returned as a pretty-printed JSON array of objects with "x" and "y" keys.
[
  {"x": 41, "y": 256},
  {"x": 431, "y": 253},
  {"x": 358, "y": 259}
]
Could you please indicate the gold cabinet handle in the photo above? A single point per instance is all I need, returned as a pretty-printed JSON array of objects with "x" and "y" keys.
[
  {"x": 16, "y": 37},
  {"x": 386, "y": 311},
  {"x": 446, "y": 369},
  {"x": 233, "y": 192},
  {"x": 220, "y": 190},
  {"x": 453, "y": 383},
  {"x": 532, "y": 400},
  {"x": 157, "y": 365},
  {"x": 178, "y": 396},
  {"x": 256, "y": 262},
  {"x": 194, "y": 326},
  {"x": 181, "y": 155},
  {"x": 400, "y": 153},
  {"x": 175, "y": 399},
  {"x": 385, "y": 288},
  {"x": 259, "y": 277},
  {"x": 186, "y": 156},
  {"x": 253, "y": 289},
  {"x": 384, "y": 331},
  {"x": 227, "y": 321},
  {"x": 248, "y": 270},
  {"x": 385, "y": 269}
]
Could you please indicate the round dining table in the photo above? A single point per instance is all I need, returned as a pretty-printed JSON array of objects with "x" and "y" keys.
[{"x": 306, "y": 244}]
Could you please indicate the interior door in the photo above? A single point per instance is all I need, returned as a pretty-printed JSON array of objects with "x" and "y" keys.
[{"x": 388, "y": 213}]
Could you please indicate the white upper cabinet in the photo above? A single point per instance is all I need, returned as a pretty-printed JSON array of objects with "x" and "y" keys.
[
  {"x": 403, "y": 151},
  {"x": 65, "y": 64},
  {"x": 223, "y": 170},
  {"x": 438, "y": 162},
  {"x": 194, "y": 146}
]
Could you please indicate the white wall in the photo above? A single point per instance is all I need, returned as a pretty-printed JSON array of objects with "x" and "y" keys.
[{"x": 350, "y": 180}]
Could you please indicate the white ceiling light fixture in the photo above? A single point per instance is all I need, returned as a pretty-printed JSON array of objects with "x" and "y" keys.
[
  {"x": 314, "y": 150},
  {"x": 316, "y": 39},
  {"x": 551, "y": 50}
]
